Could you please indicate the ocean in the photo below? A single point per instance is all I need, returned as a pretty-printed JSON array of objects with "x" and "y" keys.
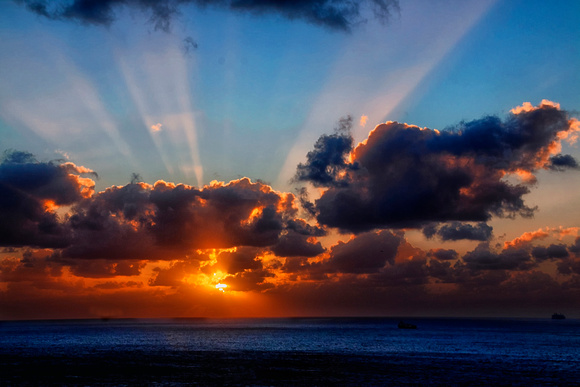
[{"x": 290, "y": 352}]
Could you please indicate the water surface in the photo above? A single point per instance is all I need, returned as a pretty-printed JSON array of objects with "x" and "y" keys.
[{"x": 354, "y": 351}]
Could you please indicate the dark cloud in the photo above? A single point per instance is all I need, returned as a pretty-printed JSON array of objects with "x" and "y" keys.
[
  {"x": 303, "y": 228},
  {"x": 305, "y": 203},
  {"x": 293, "y": 244},
  {"x": 244, "y": 258},
  {"x": 327, "y": 165},
  {"x": 102, "y": 268},
  {"x": 366, "y": 253},
  {"x": 29, "y": 193},
  {"x": 139, "y": 221},
  {"x": 542, "y": 253},
  {"x": 249, "y": 280},
  {"x": 34, "y": 267},
  {"x": 109, "y": 285},
  {"x": 405, "y": 176},
  {"x": 575, "y": 248},
  {"x": 336, "y": 14},
  {"x": 455, "y": 231},
  {"x": 167, "y": 221},
  {"x": 442, "y": 271},
  {"x": 483, "y": 258},
  {"x": 563, "y": 162},
  {"x": 569, "y": 266},
  {"x": 103, "y": 12}
]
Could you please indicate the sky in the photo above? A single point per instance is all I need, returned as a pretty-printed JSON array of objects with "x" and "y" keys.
[{"x": 238, "y": 158}]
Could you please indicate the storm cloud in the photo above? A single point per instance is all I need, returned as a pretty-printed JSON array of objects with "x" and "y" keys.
[
  {"x": 405, "y": 176},
  {"x": 336, "y": 14},
  {"x": 30, "y": 191},
  {"x": 366, "y": 253},
  {"x": 455, "y": 231},
  {"x": 163, "y": 221}
]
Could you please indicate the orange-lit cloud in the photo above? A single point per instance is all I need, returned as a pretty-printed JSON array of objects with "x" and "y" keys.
[
  {"x": 527, "y": 237},
  {"x": 404, "y": 176},
  {"x": 161, "y": 249},
  {"x": 363, "y": 121}
]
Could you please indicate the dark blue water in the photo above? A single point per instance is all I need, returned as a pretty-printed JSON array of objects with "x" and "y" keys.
[{"x": 355, "y": 351}]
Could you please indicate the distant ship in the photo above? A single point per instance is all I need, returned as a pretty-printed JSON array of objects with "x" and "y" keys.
[
  {"x": 404, "y": 325},
  {"x": 558, "y": 316}
]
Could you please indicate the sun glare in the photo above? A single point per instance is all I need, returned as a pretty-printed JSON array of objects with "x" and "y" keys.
[{"x": 221, "y": 287}]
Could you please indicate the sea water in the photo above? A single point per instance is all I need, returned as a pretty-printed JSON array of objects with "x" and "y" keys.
[{"x": 296, "y": 351}]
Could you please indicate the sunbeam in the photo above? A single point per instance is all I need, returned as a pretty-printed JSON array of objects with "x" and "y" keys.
[
  {"x": 67, "y": 113},
  {"x": 358, "y": 94},
  {"x": 160, "y": 87}
]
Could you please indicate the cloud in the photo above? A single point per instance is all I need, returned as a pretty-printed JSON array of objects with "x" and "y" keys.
[
  {"x": 363, "y": 120},
  {"x": 351, "y": 276},
  {"x": 443, "y": 254},
  {"x": 30, "y": 193},
  {"x": 482, "y": 258},
  {"x": 293, "y": 244},
  {"x": 140, "y": 221},
  {"x": 34, "y": 267},
  {"x": 104, "y": 268},
  {"x": 118, "y": 285},
  {"x": 563, "y": 162},
  {"x": 165, "y": 221},
  {"x": 244, "y": 258},
  {"x": 542, "y": 253},
  {"x": 569, "y": 266},
  {"x": 301, "y": 227},
  {"x": 337, "y": 14},
  {"x": 527, "y": 237},
  {"x": 455, "y": 231},
  {"x": 173, "y": 275},
  {"x": 327, "y": 164},
  {"x": 575, "y": 248},
  {"x": 405, "y": 176},
  {"x": 189, "y": 45},
  {"x": 365, "y": 253},
  {"x": 156, "y": 128},
  {"x": 249, "y": 280}
]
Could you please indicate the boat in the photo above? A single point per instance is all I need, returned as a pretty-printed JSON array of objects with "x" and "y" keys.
[
  {"x": 558, "y": 316},
  {"x": 404, "y": 325}
]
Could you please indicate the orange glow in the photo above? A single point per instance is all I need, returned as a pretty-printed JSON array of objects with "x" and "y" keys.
[
  {"x": 363, "y": 120},
  {"x": 526, "y": 238},
  {"x": 77, "y": 168},
  {"x": 567, "y": 231},
  {"x": 527, "y": 106},
  {"x": 87, "y": 186},
  {"x": 50, "y": 205},
  {"x": 571, "y": 135},
  {"x": 525, "y": 176},
  {"x": 163, "y": 184},
  {"x": 255, "y": 214}
]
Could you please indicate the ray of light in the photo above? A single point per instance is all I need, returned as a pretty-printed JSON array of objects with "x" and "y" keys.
[
  {"x": 66, "y": 113},
  {"x": 159, "y": 85},
  {"x": 380, "y": 97}
]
